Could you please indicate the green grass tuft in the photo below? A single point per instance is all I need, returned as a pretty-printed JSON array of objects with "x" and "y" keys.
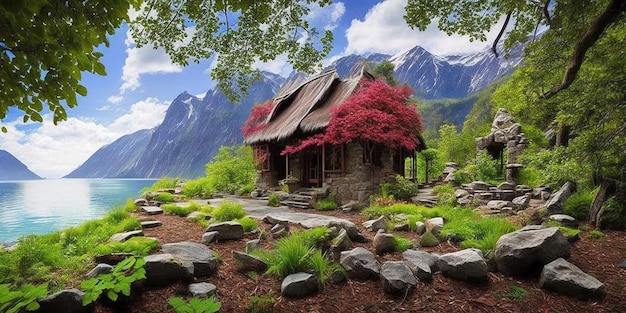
[
  {"x": 326, "y": 204},
  {"x": 228, "y": 211},
  {"x": 174, "y": 209},
  {"x": 248, "y": 223},
  {"x": 401, "y": 244},
  {"x": 165, "y": 197},
  {"x": 273, "y": 200},
  {"x": 596, "y": 234}
]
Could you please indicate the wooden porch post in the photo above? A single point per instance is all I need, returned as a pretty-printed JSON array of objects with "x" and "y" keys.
[{"x": 323, "y": 173}]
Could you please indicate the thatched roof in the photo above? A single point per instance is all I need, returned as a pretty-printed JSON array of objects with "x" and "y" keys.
[{"x": 305, "y": 106}]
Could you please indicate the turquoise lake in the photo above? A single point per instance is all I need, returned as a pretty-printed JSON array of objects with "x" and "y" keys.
[{"x": 43, "y": 206}]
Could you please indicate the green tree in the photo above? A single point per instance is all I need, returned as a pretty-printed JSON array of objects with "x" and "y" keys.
[
  {"x": 238, "y": 33},
  {"x": 45, "y": 45},
  {"x": 231, "y": 169},
  {"x": 384, "y": 70}
]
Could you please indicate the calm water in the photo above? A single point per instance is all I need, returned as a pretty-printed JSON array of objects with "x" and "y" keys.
[{"x": 43, "y": 206}]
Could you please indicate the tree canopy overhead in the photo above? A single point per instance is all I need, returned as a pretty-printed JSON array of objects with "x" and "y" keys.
[
  {"x": 45, "y": 45},
  {"x": 238, "y": 33}
]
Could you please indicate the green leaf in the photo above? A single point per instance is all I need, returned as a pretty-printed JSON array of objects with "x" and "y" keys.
[{"x": 112, "y": 295}]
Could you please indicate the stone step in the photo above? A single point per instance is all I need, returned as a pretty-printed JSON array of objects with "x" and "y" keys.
[
  {"x": 296, "y": 204},
  {"x": 152, "y": 210},
  {"x": 296, "y": 197},
  {"x": 151, "y": 224}
]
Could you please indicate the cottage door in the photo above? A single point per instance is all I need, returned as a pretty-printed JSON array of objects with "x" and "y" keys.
[{"x": 312, "y": 167}]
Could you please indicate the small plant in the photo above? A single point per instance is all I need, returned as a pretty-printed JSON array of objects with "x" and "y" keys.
[
  {"x": 164, "y": 197},
  {"x": 428, "y": 240},
  {"x": 326, "y": 204},
  {"x": 174, "y": 209},
  {"x": 273, "y": 200},
  {"x": 401, "y": 188},
  {"x": 195, "y": 305},
  {"x": 517, "y": 293},
  {"x": 401, "y": 243},
  {"x": 118, "y": 281},
  {"x": 579, "y": 203},
  {"x": 135, "y": 245},
  {"x": 261, "y": 304},
  {"x": 228, "y": 211},
  {"x": 248, "y": 223},
  {"x": 25, "y": 298},
  {"x": 596, "y": 234},
  {"x": 445, "y": 194}
]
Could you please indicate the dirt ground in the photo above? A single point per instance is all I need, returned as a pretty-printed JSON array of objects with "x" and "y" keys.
[{"x": 597, "y": 257}]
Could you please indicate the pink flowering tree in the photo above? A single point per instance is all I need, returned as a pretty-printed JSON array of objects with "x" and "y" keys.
[
  {"x": 257, "y": 119},
  {"x": 376, "y": 114}
]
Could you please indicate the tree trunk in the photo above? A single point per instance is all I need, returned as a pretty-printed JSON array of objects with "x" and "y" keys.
[
  {"x": 607, "y": 189},
  {"x": 562, "y": 136}
]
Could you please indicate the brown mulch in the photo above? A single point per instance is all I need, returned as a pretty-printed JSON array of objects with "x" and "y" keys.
[{"x": 598, "y": 258}]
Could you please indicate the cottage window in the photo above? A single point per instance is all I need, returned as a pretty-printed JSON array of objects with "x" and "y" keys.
[
  {"x": 334, "y": 158},
  {"x": 261, "y": 155}
]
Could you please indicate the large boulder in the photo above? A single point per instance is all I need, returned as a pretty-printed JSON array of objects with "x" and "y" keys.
[
  {"x": 227, "y": 230},
  {"x": 422, "y": 264},
  {"x": 555, "y": 203},
  {"x": 397, "y": 278},
  {"x": 299, "y": 285},
  {"x": 164, "y": 269},
  {"x": 342, "y": 241},
  {"x": 527, "y": 250},
  {"x": 467, "y": 265},
  {"x": 360, "y": 263},
  {"x": 204, "y": 261},
  {"x": 67, "y": 301},
  {"x": 434, "y": 225},
  {"x": 566, "y": 278},
  {"x": 374, "y": 225},
  {"x": 247, "y": 262}
]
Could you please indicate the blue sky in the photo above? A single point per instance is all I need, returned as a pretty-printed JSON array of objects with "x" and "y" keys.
[{"x": 140, "y": 83}]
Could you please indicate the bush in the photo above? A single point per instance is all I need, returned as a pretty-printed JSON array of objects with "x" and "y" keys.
[
  {"x": 326, "y": 204},
  {"x": 163, "y": 183},
  {"x": 248, "y": 223},
  {"x": 228, "y": 211},
  {"x": 445, "y": 194},
  {"x": 178, "y": 210},
  {"x": 579, "y": 203},
  {"x": 231, "y": 169},
  {"x": 246, "y": 189},
  {"x": 198, "y": 188},
  {"x": 164, "y": 197},
  {"x": 596, "y": 234},
  {"x": 614, "y": 216},
  {"x": 401, "y": 243},
  {"x": 273, "y": 200},
  {"x": 401, "y": 188}
]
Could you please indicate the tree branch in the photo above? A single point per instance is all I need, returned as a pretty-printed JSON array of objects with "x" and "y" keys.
[
  {"x": 593, "y": 34},
  {"x": 495, "y": 42}
]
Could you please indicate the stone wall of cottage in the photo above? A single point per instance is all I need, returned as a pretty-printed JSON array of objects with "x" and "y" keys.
[{"x": 359, "y": 180}]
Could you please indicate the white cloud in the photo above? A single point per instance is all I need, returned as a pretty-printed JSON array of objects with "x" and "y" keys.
[
  {"x": 384, "y": 30},
  {"x": 277, "y": 66},
  {"x": 53, "y": 151},
  {"x": 115, "y": 99},
  {"x": 145, "y": 60},
  {"x": 326, "y": 17}
]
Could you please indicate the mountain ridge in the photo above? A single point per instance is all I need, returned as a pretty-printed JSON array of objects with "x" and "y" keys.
[{"x": 13, "y": 169}]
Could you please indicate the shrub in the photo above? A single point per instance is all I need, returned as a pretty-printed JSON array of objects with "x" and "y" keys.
[
  {"x": 118, "y": 281},
  {"x": 445, "y": 194},
  {"x": 248, "y": 223},
  {"x": 231, "y": 169},
  {"x": 163, "y": 183},
  {"x": 326, "y": 204},
  {"x": 596, "y": 234},
  {"x": 246, "y": 189},
  {"x": 273, "y": 200},
  {"x": 25, "y": 298},
  {"x": 401, "y": 188},
  {"x": 195, "y": 305},
  {"x": 178, "y": 210},
  {"x": 579, "y": 203},
  {"x": 164, "y": 197},
  {"x": 261, "y": 304},
  {"x": 614, "y": 216},
  {"x": 401, "y": 243},
  {"x": 529, "y": 176},
  {"x": 198, "y": 188},
  {"x": 228, "y": 211}
]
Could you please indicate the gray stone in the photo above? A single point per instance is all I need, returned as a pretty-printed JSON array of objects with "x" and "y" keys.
[
  {"x": 140, "y": 202},
  {"x": 384, "y": 242},
  {"x": 151, "y": 210},
  {"x": 299, "y": 285},
  {"x": 282, "y": 232},
  {"x": 484, "y": 196},
  {"x": 449, "y": 178},
  {"x": 202, "y": 290},
  {"x": 227, "y": 230},
  {"x": 521, "y": 202},
  {"x": 564, "y": 220},
  {"x": 164, "y": 269},
  {"x": 555, "y": 203},
  {"x": 374, "y": 225},
  {"x": 101, "y": 268},
  {"x": 278, "y": 227},
  {"x": 465, "y": 201},
  {"x": 497, "y": 204},
  {"x": 479, "y": 185},
  {"x": 66, "y": 301},
  {"x": 252, "y": 245},
  {"x": 422, "y": 264},
  {"x": 151, "y": 224},
  {"x": 525, "y": 251},
  {"x": 360, "y": 263},
  {"x": 342, "y": 241},
  {"x": 247, "y": 262},
  {"x": 402, "y": 226},
  {"x": 420, "y": 227},
  {"x": 434, "y": 225},
  {"x": 622, "y": 265},
  {"x": 397, "y": 278},
  {"x": 209, "y": 237},
  {"x": 121, "y": 237},
  {"x": 460, "y": 193},
  {"x": 204, "y": 261},
  {"x": 506, "y": 186},
  {"x": 566, "y": 278},
  {"x": 197, "y": 214},
  {"x": 507, "y": 210},
  {"x": 465, "y": 265}
]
